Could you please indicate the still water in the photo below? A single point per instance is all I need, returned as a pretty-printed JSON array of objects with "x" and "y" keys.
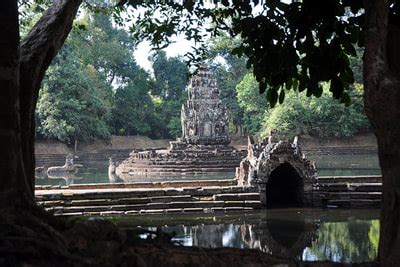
[
  {"x": 327, "y": 165},
  {"x": 304, "y": 234}
]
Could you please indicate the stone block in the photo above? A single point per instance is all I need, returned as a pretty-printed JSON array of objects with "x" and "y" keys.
[
  {"x": 111, "y": 213},
  {"x": 249, "y": 196},
  {"x": 217, "y": 209},
  {"x": 233, "y": 203},
  {"x": 90, "y": 202},
  {"x": 255, "y": 204},
  {"x": 131, "y": 212},
  {"x": 174, "y": 210},
  {"x": 193, "y": 210},
  {"x": 226, "y": 197},
  {"x": 227, "y": 209},
  {"x": 70, "y": 214},
  {"x": 152, "y": 211}
]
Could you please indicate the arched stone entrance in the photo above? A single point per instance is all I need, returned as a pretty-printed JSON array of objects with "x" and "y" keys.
[
  {"x": 284, "y": 187},
  {"x": 283, "y": 174}
]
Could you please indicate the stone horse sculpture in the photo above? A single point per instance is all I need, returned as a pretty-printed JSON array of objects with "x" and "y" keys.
[
  {"x": 112, "y": 176},
  {"x": 68, "y": 167}
]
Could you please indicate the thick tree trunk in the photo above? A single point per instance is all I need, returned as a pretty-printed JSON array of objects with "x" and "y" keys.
[
  {"x": 382, "y": 99},
  {"x": 37, "y": 51},
  {"x": 13, "y": 186}
]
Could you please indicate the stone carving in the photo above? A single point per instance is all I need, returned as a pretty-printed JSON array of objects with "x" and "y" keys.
[
  {"x": 68, "y": 167},
  {"x": 203, "y": 117},
  {"x": 281, "y": 172},
  {"x": 112, "y": 176},
  {"x": 204, "y": 145}
]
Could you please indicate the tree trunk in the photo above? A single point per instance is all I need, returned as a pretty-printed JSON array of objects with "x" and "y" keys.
[
  {"x": 382, "y": 99},
  {"x": 13, "y": 186},
  {"x": 37, "y": 51}
]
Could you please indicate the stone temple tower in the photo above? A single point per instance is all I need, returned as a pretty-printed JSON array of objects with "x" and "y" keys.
[
  {"x": 204, "y": 145},
  {"x": 203, "y": 116}
]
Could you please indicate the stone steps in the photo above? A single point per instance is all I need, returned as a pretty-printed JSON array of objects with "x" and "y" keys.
[
  {"x": 166, "y": 165},
  {"x": 99, "y": 157},
  {"x": 43, "y": 195},
  {"x": 351, "y": 191},
  {"x": 154, "y": 206},
  {"x": 169, "y": 171},
  {"x": 343, "y": 187},
  {"x": 125, "y": 201},
  {"x": 354, "y": 203},
  {"x": 141, "y": 185},
  {"x": 354, "y": 195},
  {"x": 350, "y": 179}
]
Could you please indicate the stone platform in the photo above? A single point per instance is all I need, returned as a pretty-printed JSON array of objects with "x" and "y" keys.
[
  {"x": 203, "y": 147},
  {"x": 194, "y": 159}
]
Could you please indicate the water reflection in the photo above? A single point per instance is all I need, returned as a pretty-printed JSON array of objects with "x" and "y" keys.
[
  {"x": 113, "y": 178},
  {"x": 59, "y": 178},
  {"x": 351, "y": 241},
  {"x": 335, "y": 235}
]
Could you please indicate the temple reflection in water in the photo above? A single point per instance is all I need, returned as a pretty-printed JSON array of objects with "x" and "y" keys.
[{"x": 341, "y": 236}]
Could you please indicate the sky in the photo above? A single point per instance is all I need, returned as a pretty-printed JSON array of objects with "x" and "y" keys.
[
  {"x": 142, "y": 52},
  {"x": 180, "y": 47}
]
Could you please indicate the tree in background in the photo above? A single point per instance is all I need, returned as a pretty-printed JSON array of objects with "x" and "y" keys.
[
  {"x": 133, "y": 111},
  {"x": 76, "y": 106},
  {"x": 253, "y": 104},
  {"x": 94, "y": 87},
  {"x": 319, "y": 117},
  {"x": 228, "y": 74},
  {"x": 170, "y": 80}
]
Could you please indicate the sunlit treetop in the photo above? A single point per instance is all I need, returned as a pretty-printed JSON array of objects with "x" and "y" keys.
[{"x": 289, "y": 45}]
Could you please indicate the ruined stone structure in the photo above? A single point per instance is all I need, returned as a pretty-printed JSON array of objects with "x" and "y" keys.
[
  {"x": 203, "y": 117},
  {"x": 204, "y": 145},
  {"x": 284, "y": 176}
]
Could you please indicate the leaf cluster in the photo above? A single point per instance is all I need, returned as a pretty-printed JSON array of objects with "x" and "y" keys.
[{"x": 297, "y": 45}]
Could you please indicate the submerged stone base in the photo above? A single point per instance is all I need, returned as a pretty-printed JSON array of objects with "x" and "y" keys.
[{"x": 181, "y": 158}]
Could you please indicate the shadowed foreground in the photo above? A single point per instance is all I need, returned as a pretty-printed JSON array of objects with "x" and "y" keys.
[{"x": 26, "y": 240}]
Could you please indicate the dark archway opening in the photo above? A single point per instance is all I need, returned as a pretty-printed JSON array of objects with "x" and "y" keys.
[{"x": 284, "y": 187}]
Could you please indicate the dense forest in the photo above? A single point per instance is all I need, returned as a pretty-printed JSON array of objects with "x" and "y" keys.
[{"x": 94, "y": 89}]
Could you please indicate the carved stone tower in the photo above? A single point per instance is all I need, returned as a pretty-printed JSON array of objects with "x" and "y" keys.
[
  {"x": 203, "y": 117},
  {"x": 204, "y": 145}
]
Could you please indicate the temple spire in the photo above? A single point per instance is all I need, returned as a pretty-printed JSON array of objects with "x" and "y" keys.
[{"x": 203, "y": 116}]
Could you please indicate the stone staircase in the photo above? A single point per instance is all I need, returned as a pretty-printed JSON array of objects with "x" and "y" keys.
[
  {"x": 129, "y": 200},
  {"x": 192, "y": 196},
  {"x": 351, "y": 191},
  {"x": 100, "y": 157},
  {"x": 213, "y": 159}
]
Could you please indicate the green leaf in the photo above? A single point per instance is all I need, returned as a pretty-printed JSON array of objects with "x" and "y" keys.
[
  {"x": 281, "y": 96},
  {"x": 262, "y": 86},
  {"x": 272, "y": 96},
  {"x": 336, "y": 88},
  {"x": 295, "y": 84},
  {"x": 289, "y": 84},
  {"x": 345, "y": 99},
  {"x": 318, "y": 91}
]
